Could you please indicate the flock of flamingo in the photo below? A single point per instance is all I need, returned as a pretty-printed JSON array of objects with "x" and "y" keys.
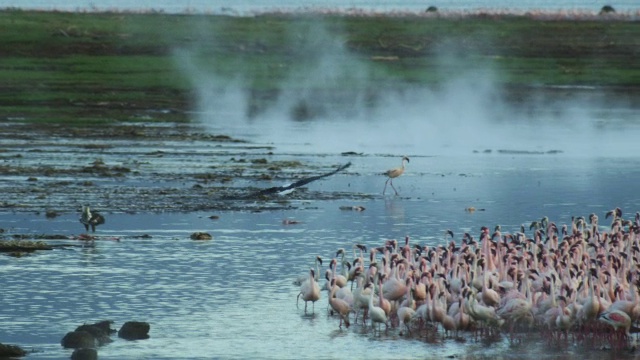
[{"x": 579, "y": 279}]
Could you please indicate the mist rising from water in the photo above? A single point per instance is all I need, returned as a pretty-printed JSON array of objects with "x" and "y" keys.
[{"x": 466, "y": 113}]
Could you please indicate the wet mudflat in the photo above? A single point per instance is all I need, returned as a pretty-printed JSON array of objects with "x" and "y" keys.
[{"x": 145, "y": 168}]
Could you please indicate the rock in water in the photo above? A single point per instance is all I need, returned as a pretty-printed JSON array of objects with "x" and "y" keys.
[
  {"x": 78, "y": 339},
  {"x": 134, "y": 330},
  {"x": 201, "y": 236},
  {"x": 84, "y": 354},
  {"x": 99, "y": 333},
  {"x": 11, "y": 351}
]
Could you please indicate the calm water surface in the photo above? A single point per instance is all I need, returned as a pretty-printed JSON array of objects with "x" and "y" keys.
[{"x": 232, "y": 297}]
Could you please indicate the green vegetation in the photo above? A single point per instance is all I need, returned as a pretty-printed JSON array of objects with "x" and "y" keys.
[{"x": 87, "y": 68}]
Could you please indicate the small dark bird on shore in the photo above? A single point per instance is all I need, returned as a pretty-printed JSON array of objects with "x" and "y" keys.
[{"x": 92, "y": 219}]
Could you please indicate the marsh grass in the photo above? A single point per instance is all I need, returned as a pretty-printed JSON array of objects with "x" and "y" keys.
[{"x": 95, "y": 68}]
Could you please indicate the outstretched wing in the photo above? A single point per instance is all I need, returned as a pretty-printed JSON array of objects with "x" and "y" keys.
[{"x": 301, "y": 182}]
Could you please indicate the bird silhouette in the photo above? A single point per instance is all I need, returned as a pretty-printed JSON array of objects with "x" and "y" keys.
[{"x": 90, "y": 219}]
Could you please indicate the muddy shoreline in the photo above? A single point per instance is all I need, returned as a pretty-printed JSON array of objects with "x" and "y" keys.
[{"x": 130, "y": 168}]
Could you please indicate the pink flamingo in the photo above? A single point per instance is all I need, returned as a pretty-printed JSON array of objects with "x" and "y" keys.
[
  {"x": 310, "y": 291},
  {"x": 338, "y": 305},
  {"x": 376, "y": 314},
  {"x": 394, "y": 173}
]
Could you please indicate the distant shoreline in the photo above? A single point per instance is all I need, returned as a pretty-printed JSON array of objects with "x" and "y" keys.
[
  {"x": 95, "y": 69},
  {"x": 534, "y": 14}
]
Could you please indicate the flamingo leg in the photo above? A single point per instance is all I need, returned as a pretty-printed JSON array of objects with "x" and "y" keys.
[
  {"x": 394, "y": 189},
  {"x": 385, "y": 186}
]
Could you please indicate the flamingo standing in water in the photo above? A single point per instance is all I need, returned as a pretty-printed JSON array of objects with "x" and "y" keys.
[
  {"x": 376, "y": 314},
  {"x": 621, "y": 323},
  {"x": 383, "y": 303},
  {"x": 361, "y": 298},
  {"x": 618, "y": 319},
  {"x": 303, "y": 278},
  {"x": 394, "y": 288},
  {"x": 408, "y": 308},
  {"x": 310, "y": 291},
  {"x": 394, "y": 173},
  {"x": 556, "y": 279},
  {"x": 338, "y": 305}
]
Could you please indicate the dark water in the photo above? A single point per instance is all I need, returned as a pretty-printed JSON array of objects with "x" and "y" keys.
[{"x": 232, "y": 297}]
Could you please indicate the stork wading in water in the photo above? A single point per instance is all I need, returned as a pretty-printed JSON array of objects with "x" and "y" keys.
[
  {"x": 90, "y": 219},
  {"x": 394, "y": 173}
]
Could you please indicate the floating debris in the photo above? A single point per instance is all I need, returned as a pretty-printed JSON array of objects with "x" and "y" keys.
[
  {"x": 143, "y": 236},
  {"x": 352, "y": 208},
  {"x": 290, "y": 222}
]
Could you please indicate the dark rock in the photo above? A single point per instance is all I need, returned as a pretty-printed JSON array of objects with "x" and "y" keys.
[
  {"x": 105, "y": 325},
  {"x": 134, "y": 330},
  {"x": 23, "y": 246},
  {"x": 11, "y": 351},
  {"x": 201, "y": 236},
  {"x": 143, "y": 236},
  {"x": 100, "y": 331},
  {"x": 78, "y": 339},
  {"x": 432, "y": 9},
  {"x": 84, "y": 354}
]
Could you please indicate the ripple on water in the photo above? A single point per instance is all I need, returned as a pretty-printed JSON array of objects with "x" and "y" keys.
[{"x": 232, "y": 297}]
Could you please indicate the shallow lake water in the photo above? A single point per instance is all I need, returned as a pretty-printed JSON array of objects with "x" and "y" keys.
[{"x": 232, "y": 297}]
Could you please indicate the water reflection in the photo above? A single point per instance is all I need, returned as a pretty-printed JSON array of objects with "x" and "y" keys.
[{"x": 394, "y": 209}]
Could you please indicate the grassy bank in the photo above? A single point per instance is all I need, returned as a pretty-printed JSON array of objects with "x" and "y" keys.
[{"x": 94, "y": 68}]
